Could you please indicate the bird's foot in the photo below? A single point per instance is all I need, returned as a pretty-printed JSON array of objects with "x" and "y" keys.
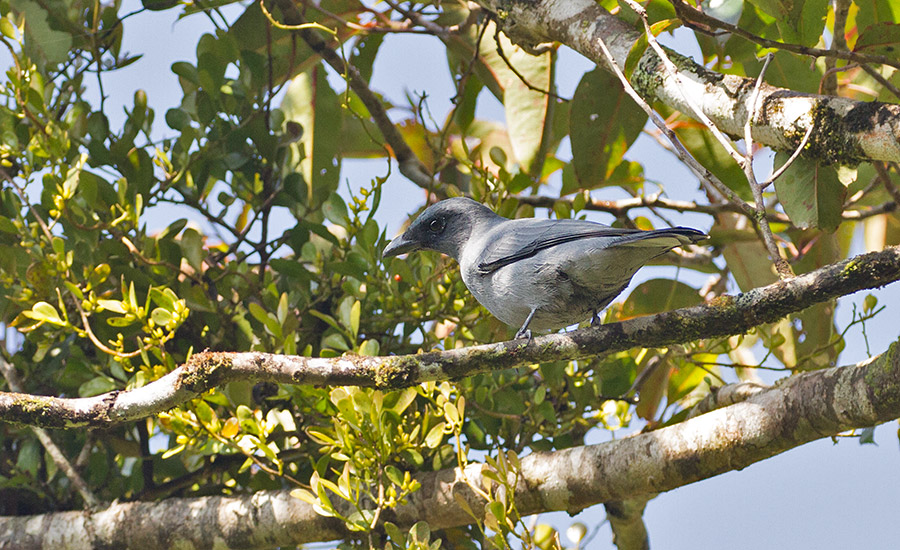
[
  {"x": 524, "y": 333},
  {"x": 595, "y": 320}
]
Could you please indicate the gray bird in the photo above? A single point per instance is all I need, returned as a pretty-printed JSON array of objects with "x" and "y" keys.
[{"x": 540, "y": 274}]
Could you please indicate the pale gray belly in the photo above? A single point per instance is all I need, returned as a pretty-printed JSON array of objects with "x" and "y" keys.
[{"x": 561, "y": 297}]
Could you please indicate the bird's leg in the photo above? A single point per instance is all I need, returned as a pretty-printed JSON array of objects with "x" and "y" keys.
[
  {"x": 595, "y": 319},
  {"x": 524, "y": 332}
]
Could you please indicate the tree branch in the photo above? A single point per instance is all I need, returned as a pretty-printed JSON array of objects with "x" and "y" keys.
[
  {"x": 626, "y": 519},
  {"x": 845, "y": 131},
  {"x": 53, "y": 451},
  {"x": 799, "y": 409},
  {"x": 725, "y": 316}
]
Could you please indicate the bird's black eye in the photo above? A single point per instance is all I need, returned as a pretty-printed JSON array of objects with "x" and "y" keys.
[{"x": 436, "y": 225}]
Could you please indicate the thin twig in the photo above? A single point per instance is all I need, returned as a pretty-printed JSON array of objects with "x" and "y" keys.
[
  {"x": 709, "y": 180},
  {"x": 672, "y": 72},
  {"x": 692, "y": 16},
  {"x": 886, "y": 181},
  {"x": 828, "y": 84},
  {"x": 96, "y": 341},
  {"x": 824, "y": 82},
  {"x": 516, "y": 72},
  {"x": 781, "y": 266},
  {"x": 777, "y": 173},
  {"x": 881, "y": 80},
  {"x": 417, "y": 19},
  {"x": 137, "y": 254},
  {"x": 22, "y": 195},
  {"x": 868, "y": 212}
]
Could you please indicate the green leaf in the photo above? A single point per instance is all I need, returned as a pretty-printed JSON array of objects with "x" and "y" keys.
[
  {"x": 355, "y": 311},
  {"x": 177, "y": 119},
  {"x": 291, "y": 268},
  {"x": 164, "y": 298},
  {"x": 305, "y": 496},
  {"x": 159, "y": 5},
  {"x": 809, "y": 20},
  {"x": 873, "y": 12},
  {"x": 204, "y": 412},
  {"x": 42, "y": 311},
  {"x": 162, "y": 317},
  {"x": 44, "y": 38},
  {"x": 29, "y": 458},
  {"x": 603, "y": 123},
  {"x": 653, "y": 388},
  {"x": 370, "y": 348},
  {"x": 788, "y": 70},
  {"x": 404, "y": 399},
  {"x": 880, "y": 39},
  {"x": 325, "y": 317},
  {"x": 310, "y": 102},
  {"x": 74, "y": 289},
  {"x": 394, "y": 532},
  {"x": 115, "y": 306},
  {"x": 394, "y": 474},
  {"x": 7, "y": 28},
  {"x": 70, "y": 184},
  {"x": 364, "y": 51},
  {"x": 658, "y": 295},
  {"x": 811, "y": 194},
  {"x": 413, "y": 457},
  {"x": 6, "y": 225},
  {"x": 125, "y": 321},
  {"x": 527, "y": 110},
  {"x": 264, "y": 317},
  {"x": 869, "y": 303},
  {"x": 684, "y": 380},
  {"x": 710, "y": 153},
  {"x": 435, "y": 436},
  {"x": 774, "y": 8},
  {"x": 420, "y": 533},
  {"x": 496, "y": 509},
  {"x": 96, "y": 386},
  {"x": 335, "y": 210},
  {"x": 192, "y": 248}
]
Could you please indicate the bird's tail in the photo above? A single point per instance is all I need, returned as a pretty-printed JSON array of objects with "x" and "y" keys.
[{"x": 664, "y": 238}]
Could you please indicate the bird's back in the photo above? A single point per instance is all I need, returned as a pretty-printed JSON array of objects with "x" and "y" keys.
[{"x": 566, "y": 270}]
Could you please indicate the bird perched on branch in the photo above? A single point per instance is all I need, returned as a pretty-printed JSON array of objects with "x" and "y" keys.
[{"x": 541, "y": 274}]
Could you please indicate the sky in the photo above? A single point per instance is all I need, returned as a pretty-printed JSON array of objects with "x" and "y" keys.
[{"x": 819, "y": 496}]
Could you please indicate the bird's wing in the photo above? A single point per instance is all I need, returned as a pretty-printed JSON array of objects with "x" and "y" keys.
[{"x": 520, "y": 239}]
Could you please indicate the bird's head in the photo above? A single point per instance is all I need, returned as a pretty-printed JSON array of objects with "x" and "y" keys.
[{"x": 445, "y": 227}]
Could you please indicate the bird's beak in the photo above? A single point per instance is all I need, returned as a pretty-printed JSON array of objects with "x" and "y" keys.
[{"x": 400, "y": 245}]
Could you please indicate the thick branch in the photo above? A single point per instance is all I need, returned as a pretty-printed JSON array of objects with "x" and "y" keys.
[
  {"x": 798, "y": 410},
  {"x": 845, "y": 131},
  {"x": 726, "y": 316},
  {"x": 626, "y": 519}
]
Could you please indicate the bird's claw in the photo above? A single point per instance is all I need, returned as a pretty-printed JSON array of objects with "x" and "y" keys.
[
  {"x": 526, "y": 334},
  {"x": 595, "y": 320}
]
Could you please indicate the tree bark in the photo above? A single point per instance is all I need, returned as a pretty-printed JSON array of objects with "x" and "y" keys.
[{"x": 626, "y": 519}]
